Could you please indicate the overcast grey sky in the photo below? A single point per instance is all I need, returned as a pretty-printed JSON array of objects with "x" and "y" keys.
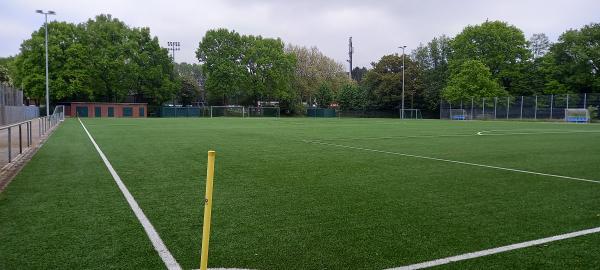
[{"x": 377, "y": 27}]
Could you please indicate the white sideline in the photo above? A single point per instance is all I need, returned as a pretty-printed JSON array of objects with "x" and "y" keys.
[
  {"x": 158, "y": 244},
  {"x": 491, "y": 251},
  {"x": 453, "y": 161},
  {"x": 489, "y": 133}
]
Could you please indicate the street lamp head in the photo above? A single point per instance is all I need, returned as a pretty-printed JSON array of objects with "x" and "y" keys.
[
  {"x": 402, "y": 47},
  {"x": 51, "y": 12},
  {"x": 39, "y": 11}
]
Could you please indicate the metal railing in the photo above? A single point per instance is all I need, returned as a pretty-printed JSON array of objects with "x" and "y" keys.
[{"x": 25, "y": 130}]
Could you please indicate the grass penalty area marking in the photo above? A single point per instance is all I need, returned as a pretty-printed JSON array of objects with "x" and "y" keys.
[
  {"x": 157, "y": 242},
  {"x": 452, "y": 161},
  {"x": 492, "y": 251}
]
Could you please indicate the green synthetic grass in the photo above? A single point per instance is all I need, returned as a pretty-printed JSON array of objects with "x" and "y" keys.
[{"x": 283, "y": 203}]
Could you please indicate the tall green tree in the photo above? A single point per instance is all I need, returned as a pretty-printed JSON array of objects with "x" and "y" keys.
[
  {"x": 501, "y": 47},
  {"x": 384, "y": 82},
  {"x": 572, "y": 64},
  {"x": 221, "y": 54},
  {"x": 352, "y": 97},
  {"x": 314, "y": 69},
  {"x": 472, "y": 79},
  {"x": 99, "y": 60},
  {"x": 432, "y": 59}
]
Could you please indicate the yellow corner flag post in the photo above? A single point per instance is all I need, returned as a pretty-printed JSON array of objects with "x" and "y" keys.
[{"x": 210, "y": 172}]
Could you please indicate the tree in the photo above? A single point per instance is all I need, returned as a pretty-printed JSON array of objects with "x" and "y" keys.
[
  {"x": 432, "y": 59},
  {"x": 192, "y": 72},
  {"x": 312, "y": 70},
  {"x": 324, "y": 96},
  {"x": 244, "y": 69},
  {"x": 4, "y": 76},
  {"x": 270, "y": 69},
  {"x": 473, "y": 79},
  {"x": 351, "y": 97},
  {"x": 188, "y": 91},
  {"x": 539, "y": 44},
  {"x": 384, "y": 82},
  {"x": 99, "y": 60},
  {"x": 501, "y": 47},
  {"x": 572, "y": 63},
  {"x": 358, "y": 73}
]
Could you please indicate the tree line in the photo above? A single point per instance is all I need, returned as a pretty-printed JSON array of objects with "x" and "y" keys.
[
  {"x": 103, "y": 59},
  {"x": 486, "y": 60}
]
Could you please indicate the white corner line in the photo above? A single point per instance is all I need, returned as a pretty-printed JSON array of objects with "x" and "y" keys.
[
  {"x": 491, "y": 251},
  {"x": 158, "y": 244},
  {"x": 454, "y": 161}
]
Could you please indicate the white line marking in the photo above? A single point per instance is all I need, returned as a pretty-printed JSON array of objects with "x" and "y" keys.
[
  {"x": 491, "y": 251},
  {"x": 158, "y": 244},
  {"x": 489, "y": 133},
  {"x": 453, "y": 161}
]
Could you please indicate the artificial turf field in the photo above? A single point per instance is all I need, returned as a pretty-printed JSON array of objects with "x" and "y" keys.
[{"x": 304, "y": 193}]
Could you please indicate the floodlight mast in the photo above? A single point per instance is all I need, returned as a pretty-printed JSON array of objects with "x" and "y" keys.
[
  {"x": 403, "y": 67},
  {"x": 173, "y": 46},
  {"x": 49, "y": 12}
]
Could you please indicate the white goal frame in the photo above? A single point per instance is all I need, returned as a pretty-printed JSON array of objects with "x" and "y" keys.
[
  {"x": 412, "y": 114},
  {"x": 251, "y": 108},
  {"x": 577, "y": 115},
  {"x": 461, "y": 115},
  {"x": 225, "y": 112}
]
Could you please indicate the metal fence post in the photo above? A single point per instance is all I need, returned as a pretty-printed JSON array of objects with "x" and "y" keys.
[
  {"x": 521, "y": 117},
  {"x": 551, "y": 105},
  {"x": 536, "y": 106},
  {"x": 584, "y": 99},
  {"x": 567, "y": 101},
  {"x": 441, "y": 100},
  {"x": 471, "y": 108},
  {"x": 9, "y": 146},
  {"x": 495, "y": 107},
  {"x": 507, "y": 106},
  {"x": 483, "y": 107},
  {"x": 20, "y": 140},
  {"x": 28, "y": 133}
]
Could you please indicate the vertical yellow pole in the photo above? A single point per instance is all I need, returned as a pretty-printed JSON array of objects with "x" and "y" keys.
[{"x": 210, "y": 172}]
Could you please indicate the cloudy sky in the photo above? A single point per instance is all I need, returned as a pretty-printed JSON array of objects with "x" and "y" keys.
[{"x": 377, "y": 27}]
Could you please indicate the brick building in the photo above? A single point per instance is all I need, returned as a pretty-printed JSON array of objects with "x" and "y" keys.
[{"x": 101, "y": 109}]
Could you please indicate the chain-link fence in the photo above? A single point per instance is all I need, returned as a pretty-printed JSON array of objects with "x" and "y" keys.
[{"x": 543, "y": 107}]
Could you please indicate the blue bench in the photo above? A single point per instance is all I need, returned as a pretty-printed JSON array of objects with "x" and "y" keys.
[{"x": 576, "y": 119}]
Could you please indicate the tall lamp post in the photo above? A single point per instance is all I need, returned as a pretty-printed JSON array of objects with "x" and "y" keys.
[
  {"x": 173, "y": 46},
  {"x": 403, "y": 67},
  {"x": 46, "y": 13}
]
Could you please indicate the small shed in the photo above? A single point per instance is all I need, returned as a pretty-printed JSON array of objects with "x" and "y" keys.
[{"x": 101, "y": 109}]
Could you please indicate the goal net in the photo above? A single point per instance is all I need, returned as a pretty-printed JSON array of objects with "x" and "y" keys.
[
  {"x": 227, "y": 111},
  {"x": 577, "y": 115},
  {"x": 262, "y": 112},
  {"x": 411, "y": 114},
  {"x": 458, "y": 114}
]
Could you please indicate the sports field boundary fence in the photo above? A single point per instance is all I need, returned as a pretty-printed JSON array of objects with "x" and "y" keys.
[
  {"x": 19, "y": 137},
  {"x": 538, "y": 107},
  {"x": 12, "y": 109}
]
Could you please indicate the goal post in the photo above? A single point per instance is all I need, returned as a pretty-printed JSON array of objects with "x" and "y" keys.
[
  {"x": 411, "y": 114},
  {"x": 577, "y": 115},
  {"x": 263, "y": 112},
  {"x": 458, "y": 114},
  {"x": 227, "y": 111}
]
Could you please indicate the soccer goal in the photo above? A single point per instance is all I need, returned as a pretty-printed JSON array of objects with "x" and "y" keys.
[
  {"x": 458, "y": 114},
  {"x": 411, "y": 114},
  {"x": 262, "y": 112},
  {"x": 227, "y": 111},
  {"x": 577, "y": 115}
]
